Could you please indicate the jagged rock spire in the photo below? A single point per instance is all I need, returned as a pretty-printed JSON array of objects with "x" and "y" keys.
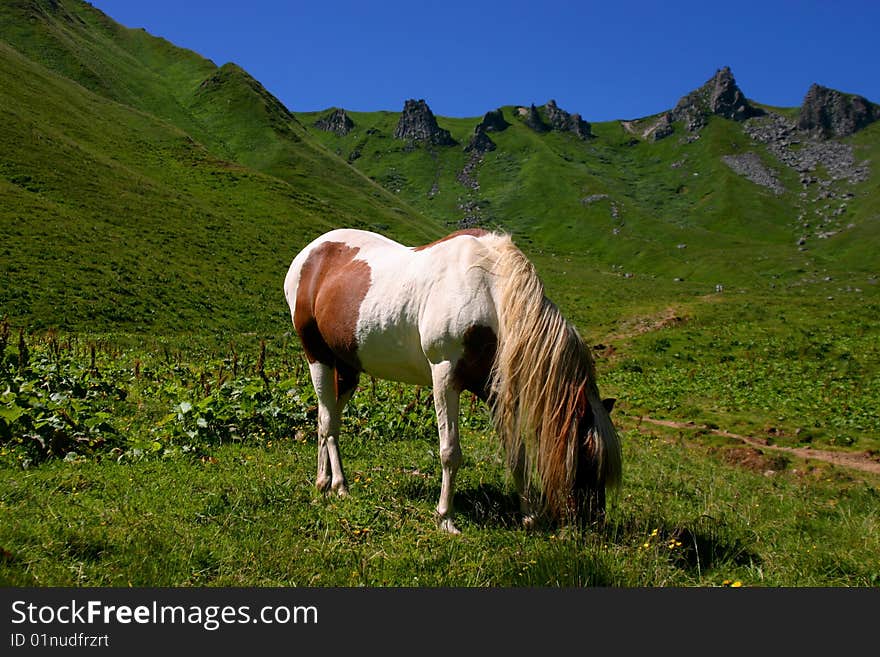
[
  {"x": 554, "y": 118},
  {"x": 480, "y": 142},
  {"x": 719, "y": 96},
  {"x": 830, "y": 113},
  {"x": 562, "y": 121},
  {"x": 417, "y": 123},
  {"x": 337, "y": 122}
]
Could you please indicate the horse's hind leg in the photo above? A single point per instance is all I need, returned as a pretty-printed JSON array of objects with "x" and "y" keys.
[{"x": 330, "y": 473}]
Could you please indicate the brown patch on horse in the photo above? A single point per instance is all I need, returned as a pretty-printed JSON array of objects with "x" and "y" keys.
[
  {"x": 473, "y": 369},
  {"x": 473, "y": 232},
  {"x": 332, "y": 286}
]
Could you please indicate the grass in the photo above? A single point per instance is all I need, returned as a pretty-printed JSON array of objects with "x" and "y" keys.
[
  {"x": 203, "y": 474},
  {"x": 247, "y": 516},
  {"x": 806, "y": 373},
  {"x": 125, "y": 215},
  {"x": 116, "y": 208}
]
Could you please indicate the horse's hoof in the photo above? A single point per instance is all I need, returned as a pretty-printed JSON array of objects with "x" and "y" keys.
[
  {"x": 322, "y": 484},
  {"x": 446, "y": 525},
  {"x": 341, "y": 491},
  {"x": 529, "y": 522}
]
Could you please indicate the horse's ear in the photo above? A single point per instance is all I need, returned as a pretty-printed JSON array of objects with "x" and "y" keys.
[{"x": 609, "y": 404}]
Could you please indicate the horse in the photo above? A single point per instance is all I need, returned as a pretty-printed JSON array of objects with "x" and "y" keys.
[{"x": 467, "y": 312}]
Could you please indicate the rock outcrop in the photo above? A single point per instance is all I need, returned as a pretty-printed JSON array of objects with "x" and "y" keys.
[
  {"x": 830, "y": 113},
  {"x": 807, "y": 152},
  {"x": 562, "y": 121},
  {"x": 493, "y": 121},
  {"x": 533, "y": 119},
  {"x": 480, "y": 142},
  {"x": 337, "y": 122},
  {"x": 554, "y": 118},
  {"x": 719, "y": 96},
  {"x": 417, "y": 123},
  {"x": 652, "y": 128}
]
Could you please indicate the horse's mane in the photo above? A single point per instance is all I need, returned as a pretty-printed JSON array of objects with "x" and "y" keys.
[{"x": 542, "y": 371}]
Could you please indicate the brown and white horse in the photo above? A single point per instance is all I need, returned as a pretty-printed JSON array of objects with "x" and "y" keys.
[{"x": 467, "y": 312}]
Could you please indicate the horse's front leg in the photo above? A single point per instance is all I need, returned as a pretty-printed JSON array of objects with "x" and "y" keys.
[
  {"x": 520, "y": 480},
  {"x": 446, "y": 403}
]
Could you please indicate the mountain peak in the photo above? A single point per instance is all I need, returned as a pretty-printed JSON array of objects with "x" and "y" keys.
[
  {"x": 337, "y": 122},
  {"x": 831, "y": 113},
  {"x": 552, "y": 117},
  {"x": 418, "y": 123},
  {"x": 719, "y": 96},
  {"x": 563, "y": 121},
  {"x": 232, "y": 85}
]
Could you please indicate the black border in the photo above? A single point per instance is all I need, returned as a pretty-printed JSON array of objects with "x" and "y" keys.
[{"x": 517, "y": 621}]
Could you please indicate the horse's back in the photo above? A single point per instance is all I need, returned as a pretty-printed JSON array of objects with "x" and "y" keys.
[{"x": 388, "y": 309}]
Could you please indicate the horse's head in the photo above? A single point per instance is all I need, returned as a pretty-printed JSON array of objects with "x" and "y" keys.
[{"x": 594, "y": 471}]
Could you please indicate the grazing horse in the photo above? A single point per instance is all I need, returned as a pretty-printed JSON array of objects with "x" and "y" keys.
[{"x": 467, "y": 312}]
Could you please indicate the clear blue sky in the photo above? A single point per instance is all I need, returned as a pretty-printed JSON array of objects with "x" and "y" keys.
[{"x": 605, "y": 60}]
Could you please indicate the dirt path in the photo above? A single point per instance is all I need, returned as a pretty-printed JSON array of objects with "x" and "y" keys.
[
  {"x": 856, "y": 460},
  {"x": 645, "y": 324},
  {"x": 864, "y": 461}
]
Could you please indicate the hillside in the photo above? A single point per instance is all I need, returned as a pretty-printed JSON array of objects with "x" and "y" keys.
[
  {"x": 146, "y": 189},
  {"x": 695, "y": 204},
  {"x": 143, "y": 187},
  {"x": 717, "y": 191}
]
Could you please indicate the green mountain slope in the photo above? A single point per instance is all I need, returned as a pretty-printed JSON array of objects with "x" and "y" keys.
[
  {"x": 616, "y": 217},
  {"x": 672, "y": 208},
  {"x": 222, "y": 108},
  {"x": 120, "y": 211}
]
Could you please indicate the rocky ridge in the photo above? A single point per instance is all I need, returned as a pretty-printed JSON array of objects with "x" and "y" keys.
[
  {"x": 418, "y": 124},
  {"x": 562, "y": 121},
  {"x": 827, "y": 168},
  {"x": 719, "y": 96},
  {"x": 337, "y": 122},
  {"x": 829, "y": 113},
  {"x": 557, "y": 120},
  {"x": 808, "y": 144}
]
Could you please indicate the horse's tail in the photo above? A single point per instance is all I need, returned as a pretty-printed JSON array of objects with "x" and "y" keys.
[{"x": 542, "y": 375}]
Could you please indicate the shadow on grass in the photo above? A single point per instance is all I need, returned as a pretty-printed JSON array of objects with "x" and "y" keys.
[
  {"x": 486, "y": 505},
  {"x": 708, "y": 543},
  {"x": 696, "y": 546}
]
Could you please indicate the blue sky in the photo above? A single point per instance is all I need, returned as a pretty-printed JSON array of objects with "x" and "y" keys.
[{"x": 605, "y": 60}]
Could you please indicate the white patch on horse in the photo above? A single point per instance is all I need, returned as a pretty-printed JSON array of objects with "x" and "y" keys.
[{"x": 418, "y": 307}]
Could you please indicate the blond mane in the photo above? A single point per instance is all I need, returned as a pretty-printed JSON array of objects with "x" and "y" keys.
[{"x": 542, "y": 372}]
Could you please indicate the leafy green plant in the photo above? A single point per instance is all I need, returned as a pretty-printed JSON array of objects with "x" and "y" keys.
[{"x": 55, "y": 406}]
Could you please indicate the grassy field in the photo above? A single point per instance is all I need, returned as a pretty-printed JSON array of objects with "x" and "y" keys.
[{"x": 129, "y": 461}]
